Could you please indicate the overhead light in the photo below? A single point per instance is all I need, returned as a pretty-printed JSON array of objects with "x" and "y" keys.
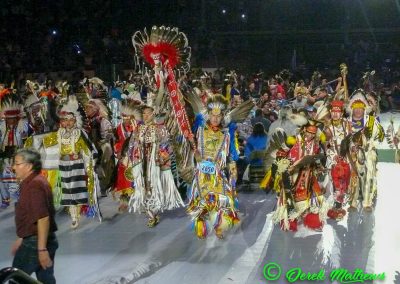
[{"x": 77, "y": 48}]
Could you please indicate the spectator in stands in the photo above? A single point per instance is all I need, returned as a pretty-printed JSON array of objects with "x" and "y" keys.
[
  {"x": 257, "y": 141},
  {"x": 311, "y": 112},
  {"x": 264, "y": 99},
  {"x": 259, "y": 118},
  {"x": 299, "y": 102},
  {"x": 326, "y": 86},
  {"x": 280, "y": 90},
  {"x": 250, "y": 92}
]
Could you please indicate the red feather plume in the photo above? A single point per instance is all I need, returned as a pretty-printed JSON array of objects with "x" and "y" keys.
[{"x": 166, "y": 50}]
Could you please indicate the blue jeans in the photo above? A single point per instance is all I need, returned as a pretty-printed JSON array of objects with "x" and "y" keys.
[{"x": 26, "y": 258}]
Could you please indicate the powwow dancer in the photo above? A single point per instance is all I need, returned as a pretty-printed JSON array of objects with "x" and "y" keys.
[
  {"x": 77, "y": 182},
  {"x": 123, "y": 184},
  {"x": 213, "y": 199},
  {"x": 393, "y": 139},
  {"x": 367, "y": 132},
  {"x": 40, "y": 106},
  {"x": 101, "y": 134},
  {"x": 293, "y": 174},
  {"x": 150, "y": 166},
  {"x": 12, "y": 132},
  {"x": 306, "y": 156},
  {"x": 166, "y": 50},
  {"x": 337, "y": 162}
]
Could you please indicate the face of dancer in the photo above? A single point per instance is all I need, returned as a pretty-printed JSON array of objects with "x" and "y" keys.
[
  {"x": 68, "y": 123},
  {"x": 90, "y": 110},
  {"x": 358, "y": 113},
  {"x": 308, "y": 136},
  {"x": 36, "y": 118},
  {"x": 336, "y": 115},
  {"x": 215, "y": 119},
  {"x": 127, "y": 120},
  {"x": 11, "y": 122},
  {"x": 148, "y": 115},
  {"x": 157, "y": 60}
]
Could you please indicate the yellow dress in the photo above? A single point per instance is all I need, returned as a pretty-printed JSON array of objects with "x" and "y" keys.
[{"x": 212, "y": 201}]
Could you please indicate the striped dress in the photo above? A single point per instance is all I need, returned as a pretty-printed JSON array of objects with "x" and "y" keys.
[
  {"x": 75, "y": 169},
  {"x": 73, "y": 180}
]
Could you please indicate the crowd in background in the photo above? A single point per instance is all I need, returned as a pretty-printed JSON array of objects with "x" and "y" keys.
[{"x": 45, "y": 36}]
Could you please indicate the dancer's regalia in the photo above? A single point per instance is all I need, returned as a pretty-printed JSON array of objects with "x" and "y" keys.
[
  {"x": 13, "y": 129},
  {"x": 151, "y": 149},
  {"x": 337, "y": 161},
  {"x": 213, "y": 198},
  {"x": 309, "y": 202},
  {"x": 393, "y": 139},
  {"x": 294, "y": 175},
  {"x": 101, "y": 135},
  {"x": 123, "y": 186},
  {"x": 40, "y": 106},
  {"x": 149, "y": 164},
  {"x": 366, "y": 133},
  {"x": 69, "y": 150}
]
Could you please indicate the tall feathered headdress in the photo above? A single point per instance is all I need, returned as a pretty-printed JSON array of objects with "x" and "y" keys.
[{"x": 163, "y": 43}]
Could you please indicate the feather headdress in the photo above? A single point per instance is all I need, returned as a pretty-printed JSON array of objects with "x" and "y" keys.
[
  {"x": 358, "y": 100},
  {"x": 100, "y": 106},
  {"x": 322, "y": 110},
  {"x": 129, "y": 109},
  {"x": 217, "y": 104},
  {"x": 10, "y": 106},
  {"x": 163, "y": 43},
  {"x": 71, "y": 108}
]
